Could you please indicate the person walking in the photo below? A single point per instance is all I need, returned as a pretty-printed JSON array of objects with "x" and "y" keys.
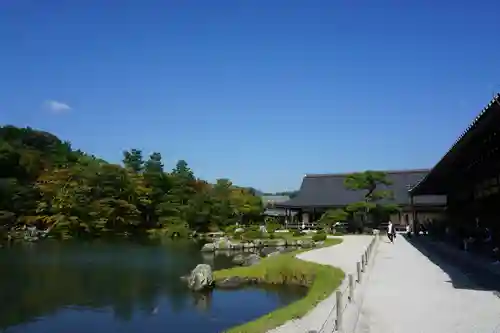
[
  {"x": 408, "y": 231},
  {"x": 391, "y": 232}
]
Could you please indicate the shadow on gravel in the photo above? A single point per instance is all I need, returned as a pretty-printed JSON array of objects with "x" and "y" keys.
[{"x": 463, "y": 274}]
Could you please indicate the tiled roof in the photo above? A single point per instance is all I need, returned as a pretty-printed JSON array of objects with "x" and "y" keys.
[{"x": 328, "y": 190}]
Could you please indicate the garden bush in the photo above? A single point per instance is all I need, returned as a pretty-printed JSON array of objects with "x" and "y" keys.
[
  {"x": 230, "y": 229},
  {"x": 272, "y": 227},
  {"x": 319, "y": 236},
  {"x": 251, "y": 234},
  {"x": 298, "y": 233}
]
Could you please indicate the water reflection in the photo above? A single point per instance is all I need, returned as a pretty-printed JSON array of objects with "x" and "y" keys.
[{"x": 119, "y": 287}]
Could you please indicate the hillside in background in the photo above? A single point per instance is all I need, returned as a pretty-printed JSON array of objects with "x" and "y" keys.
[{"x": 45, "y": 183}]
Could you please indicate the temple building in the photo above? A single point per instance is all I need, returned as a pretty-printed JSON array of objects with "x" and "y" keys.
[
  {"x": 320, "y": 192},
  {"x": 469, "y": 173},
  {"x": 270, "y": 201}
]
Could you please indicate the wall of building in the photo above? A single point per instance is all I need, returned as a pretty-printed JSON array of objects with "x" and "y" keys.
[
  {"x": 406, "y": 217},
  {"x": 432, "y": 216}
]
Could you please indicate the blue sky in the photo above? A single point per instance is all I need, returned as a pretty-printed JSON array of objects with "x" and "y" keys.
[{"x": 260, "y": 92}]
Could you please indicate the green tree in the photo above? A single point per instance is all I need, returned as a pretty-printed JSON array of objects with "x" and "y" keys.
[
  {"x": 45, "y": 183},
  {"x": 332, "y": 216},
  {"x": 133, "y": 160},
  {"x": 376, "y": 199}
]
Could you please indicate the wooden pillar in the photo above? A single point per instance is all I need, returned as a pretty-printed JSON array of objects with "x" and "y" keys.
[{"x": 413, "y": 216}]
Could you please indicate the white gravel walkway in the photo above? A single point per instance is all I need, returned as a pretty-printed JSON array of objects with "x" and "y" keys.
[
  {"x": 344, "y": 256},
  {"x": 407, "y": 293}
]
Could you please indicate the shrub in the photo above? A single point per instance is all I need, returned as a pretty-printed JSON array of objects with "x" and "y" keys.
[
  {"x": 319, "y": 236},
  {"x": 230, "y": 229},
  {"x": 272, "y": 227},
  {"x": 251, "y": 234},
  {"x": 298, "y": 233},
  {"x": 180, "y": 230}
]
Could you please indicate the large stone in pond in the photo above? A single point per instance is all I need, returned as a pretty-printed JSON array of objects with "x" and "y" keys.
[
  {"x": 307, "y": 243},
  {"x": 258, "y": 242},
  {"x": 236, "y": 246},
  {"x": 267, "y": 250},
  {"x": 208, "y": 247},
  {"x": 239, "y": 259},
  {"x": 252, "y": 259},
  {"x": 280, "y": 242},
  {"x": 248, "y": 245},
  {"x": 223, "y": 243},
  {"x": 201, "y": 278}
]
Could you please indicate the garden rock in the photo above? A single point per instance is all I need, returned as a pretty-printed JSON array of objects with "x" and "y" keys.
[
  {"x": 201, "y": 278},
  {"x": 252, "y": 259},
  {"x": 239, "y": 259},
  {"x": 267, "y": 250},
  {"x": 208, "y": 247},
  {"x": 306, "y": 243},
  {"x": 234, "y": 282},
  {"x": 248, "y": 245},
  {"x": 236, "y": 246},
  {"x": 280, "y": 242},
  {"x": 259, "y": 242}
]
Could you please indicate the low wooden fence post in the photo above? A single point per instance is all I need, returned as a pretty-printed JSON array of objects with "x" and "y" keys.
[
  {"x": 351, "y": 287},
  {"x": 358, "y": 270},
  {"x": 338, "y": 322}
]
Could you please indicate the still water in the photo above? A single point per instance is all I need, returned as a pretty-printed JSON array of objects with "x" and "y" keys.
[{"x": 103, "y": 287}]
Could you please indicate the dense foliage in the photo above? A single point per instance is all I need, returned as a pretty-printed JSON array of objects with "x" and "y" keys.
[
  {"x": 47, "y": 184},
  {"x": 377, "y": 203},
  {"x": 332, "y": 216},
  {"x": 375, "y": 207}
]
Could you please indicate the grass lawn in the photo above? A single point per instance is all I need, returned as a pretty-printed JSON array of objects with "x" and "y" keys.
[{"x": 321, "y": 279}]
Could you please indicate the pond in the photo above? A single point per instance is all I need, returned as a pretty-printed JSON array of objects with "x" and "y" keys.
[{"x": 107, "y": 287}]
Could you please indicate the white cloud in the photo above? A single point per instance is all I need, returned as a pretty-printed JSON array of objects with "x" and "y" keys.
[{"x": 56, "y": 106}]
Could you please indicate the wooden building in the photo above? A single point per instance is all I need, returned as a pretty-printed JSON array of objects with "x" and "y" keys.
[
  {"x": 270, "y": 202},
  {"x": 320, "y": 192},
  {"x": 469, "y": 173}
]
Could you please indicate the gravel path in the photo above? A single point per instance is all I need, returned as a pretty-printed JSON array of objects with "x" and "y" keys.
[
  {"x": 407, "y": 293},
  {"x": 344, "y": 256}
]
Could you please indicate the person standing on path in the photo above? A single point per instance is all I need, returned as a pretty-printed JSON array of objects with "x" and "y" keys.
[
  {"x": 408, "y": 231},
  {"x": 391, "y": 232}
]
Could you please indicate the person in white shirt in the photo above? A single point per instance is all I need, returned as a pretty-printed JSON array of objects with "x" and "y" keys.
[{"x": 391, "y": 232}]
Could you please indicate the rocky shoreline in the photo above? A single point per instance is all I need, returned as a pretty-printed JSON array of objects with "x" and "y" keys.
[
  {"x": 201, "y": 277},
  {"x": 225, "y": 243}
]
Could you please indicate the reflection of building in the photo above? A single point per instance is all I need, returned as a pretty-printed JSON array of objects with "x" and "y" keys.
[
  {"x": 319, "y": 193},
  {"x": 469, "y": 173}
]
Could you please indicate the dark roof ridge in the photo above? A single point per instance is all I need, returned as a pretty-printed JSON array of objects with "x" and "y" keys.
[
  {"x": 341, "y": 174},
  {"x": 495, "y": 99}
]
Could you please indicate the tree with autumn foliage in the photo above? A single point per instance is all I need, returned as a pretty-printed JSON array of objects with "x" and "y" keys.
[{"x": 46, "y": 184}]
